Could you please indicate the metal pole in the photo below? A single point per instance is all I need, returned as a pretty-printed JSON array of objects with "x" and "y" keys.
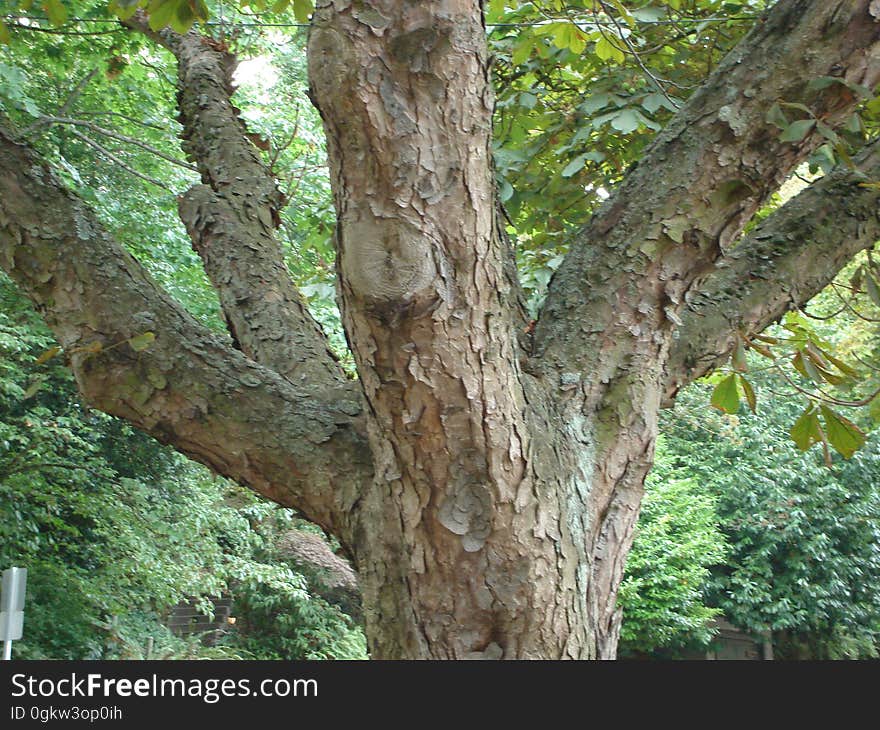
[{"x": 12, "y": 593}]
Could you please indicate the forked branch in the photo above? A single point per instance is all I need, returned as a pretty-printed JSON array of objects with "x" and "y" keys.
[
  {"x": 789, "y": 258},
  {"x": 232, "y": 217},
  {"x": 298, "y": 444}
]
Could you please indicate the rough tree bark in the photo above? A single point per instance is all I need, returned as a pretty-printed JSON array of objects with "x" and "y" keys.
[
  {"x": 777, "y": 267},
  {"x": 486, "y": 488}
]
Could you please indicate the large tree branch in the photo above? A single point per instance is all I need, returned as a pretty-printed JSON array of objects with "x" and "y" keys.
[
  {"x": 615, "y": 302},
  {"x": 618, "y": 294},
  {"x": 298, "y": 444},
  {"x": 789, "y": 258},
  {"x": 231, "y": 217}
]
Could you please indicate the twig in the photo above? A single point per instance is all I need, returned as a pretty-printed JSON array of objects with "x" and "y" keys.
[
  {"x": 866, "y": 364},
  {"x": 822, "y": 318},
  {"x": 66, "y": 106},
  {"x": 107, "y": 153},
  {"x": 121, "y": 138},
  {"x": 636, "y": 55},
  {"x": 825, "y": 397},
  {"x": 834, "y": 288},
  {"x": 56, "y": 31},
  {"x": 279, "y": 149},
  {"x": 158, "y": 71},
  {"x": 125, "y": 117},
  {"x": 56, "y": 465}
]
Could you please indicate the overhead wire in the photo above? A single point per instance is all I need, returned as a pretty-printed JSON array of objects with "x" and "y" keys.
[{"x": 253, "y": 24}]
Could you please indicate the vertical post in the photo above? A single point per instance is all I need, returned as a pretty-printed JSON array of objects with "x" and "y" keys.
[
  {"x": 767, "y": 645},
  {"x": 11, "y": 608}
]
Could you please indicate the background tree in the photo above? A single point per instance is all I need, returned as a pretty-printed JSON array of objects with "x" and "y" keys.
[
  {"x": 677, "y": 541},
  {"x": 803, "y": 539},
  {"x": 733, "y": 522},
  {"x": 484, "y": 471}
]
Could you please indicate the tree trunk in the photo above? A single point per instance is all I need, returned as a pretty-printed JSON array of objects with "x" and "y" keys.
[
  {"x": 489, "y": 529},
  {"x": 477, "y": 536}
]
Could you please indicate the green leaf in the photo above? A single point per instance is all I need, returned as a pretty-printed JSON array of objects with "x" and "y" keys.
[
  {"x": 200, "y": 9},
  {"x": 5, "y": 37},
  {"x": 649, "y": 14},
  {"x": 161, "y": 14},
  {"x": 828, "y": 133},
  {"x": 47, "y": 355},
  {"x": 738, "y": 357},
  {"x": 577, "y": 41},
  {"x": 806, "y": 431},
  {"x": 608, "y": 51},
  {"x": 34, "y": 387},
  {"x": 854, "y": 124},
  {"x": 872, "y": 289},
  {"x": 625, "y": 121},
  {"x": 823, "y": 82},
  {"x": 624, "y": 12},
  {"x": 528, "y": 100},
  {"x": 797, "y": 106},
  {"x": 821, "y": 364},
  {"x": 823, "y": 158},
  {"x": 56, "y": 12},
  {"x": 806, "y": 368},
  {"x": 506, "y": 191},
  {"x": 840, "y": 365},
  {"x": 561, "y": 33},
  {"x": 522, "y": 51},
  {"x": 768, "y": 339},
  {"x": 725, "y": 397},
  {"x": 843, "y": 434},
  {"x": 844, "y": 155},
  {"x": 594, "y": 103},
  {"x": 856, "y": 279},
  {"x": 302, "y": 9},
  {"x": 874, "y": 408},
  {"x": 762, "y": 350},
  {"x": 183, "y": 17},
  {"x": 777, "y": 117},
  {"x": 139, "y": 343},
  {"x": 123, "y": 9},
  {"x": 797, "y": 131},
  {"x": 575, "y": 166},
  {"x": 814, "y": 373}
]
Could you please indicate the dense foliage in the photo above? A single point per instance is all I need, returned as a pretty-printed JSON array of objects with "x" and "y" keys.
[
  {"x": 735, "y": 521},
  {"x": 805, "y": 539},
  {"x": 677, "y": 540}
]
